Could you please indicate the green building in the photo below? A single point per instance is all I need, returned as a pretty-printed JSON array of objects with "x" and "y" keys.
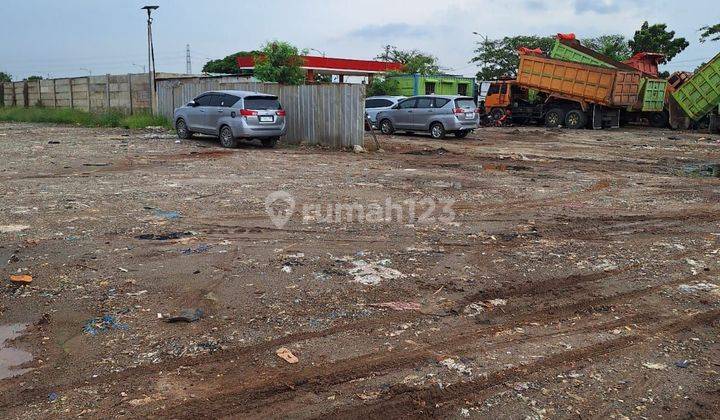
[{"x": 441, "y": 84}]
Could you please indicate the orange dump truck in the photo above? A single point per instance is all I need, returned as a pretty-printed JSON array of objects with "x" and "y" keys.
[{"x": 571, "y": 94}]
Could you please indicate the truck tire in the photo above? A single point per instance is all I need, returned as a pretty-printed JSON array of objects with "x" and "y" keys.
[
  {"x": 659, "y": 120},
  {"x": 555, "y": 117},
  {"x": 575, "y": 119},
  {"x": 497, "y": 113}
]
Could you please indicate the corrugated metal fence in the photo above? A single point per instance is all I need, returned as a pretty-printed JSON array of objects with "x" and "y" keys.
[{"x": 330, "y": 115}]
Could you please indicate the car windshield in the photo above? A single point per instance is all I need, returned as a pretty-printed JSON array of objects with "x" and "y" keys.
[
  {"x": 465, "y": 103},
  {"x": 259, "y": 103}
]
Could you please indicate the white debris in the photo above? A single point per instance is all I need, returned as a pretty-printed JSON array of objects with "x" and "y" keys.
[
  {"x": 475, "y": 309},
  {"x": 287, "y": 269},
  {"x": 456, "y": 366},
  {"x": 464, "y": 412},
  {"x": 373, "y": 273},
  {"x": 13, "y": 228},
  {"x": 695, "y": 267},
  {"x": 606, "y": 266},
  {"x": 655, "y": 366},
  {"x": 359, "y": 149},
  {"x": 699, "y": 287}
]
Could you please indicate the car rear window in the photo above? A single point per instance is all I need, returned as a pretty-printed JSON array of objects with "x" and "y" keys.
[
  {"x": 377, "y": 103},
  {"x": 465, "y": 103},
  {"x": 441, "y": 102},
  {"x": 259, "y": 103}
]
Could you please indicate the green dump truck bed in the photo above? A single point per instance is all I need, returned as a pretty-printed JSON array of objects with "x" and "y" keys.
[
  {"x": 652, "y": 93},
  {"x": 564, "y": 51},
  {"x": 700, "y": 94}
]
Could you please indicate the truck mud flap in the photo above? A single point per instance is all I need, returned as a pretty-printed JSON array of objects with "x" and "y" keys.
[{"x": 714, "y": 124}]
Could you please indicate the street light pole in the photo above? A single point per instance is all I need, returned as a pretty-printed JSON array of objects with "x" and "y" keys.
[{"x": 151, "y": 55}]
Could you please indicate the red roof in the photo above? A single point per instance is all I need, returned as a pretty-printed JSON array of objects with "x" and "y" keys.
[{"x": 334, "y": 65}]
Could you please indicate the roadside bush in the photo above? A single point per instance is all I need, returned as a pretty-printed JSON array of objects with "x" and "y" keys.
[{"x": 81, "y": 118}]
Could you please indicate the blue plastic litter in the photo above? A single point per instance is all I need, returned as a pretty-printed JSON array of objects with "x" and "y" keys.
[
  {"x": 171, "y": 214},
  {"x": 96, "y": 326},
  {"x": 199, "y": 250}
]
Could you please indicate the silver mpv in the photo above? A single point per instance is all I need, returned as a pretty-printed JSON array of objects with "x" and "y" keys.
[
  {"x": 233, "y": 115},
  {"x": 436, "y": 114}
]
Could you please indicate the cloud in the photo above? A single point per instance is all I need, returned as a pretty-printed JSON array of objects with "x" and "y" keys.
[
  {"x": 602, "y": 7},
  {"x": 392, "y": 30},
  {"x": 535, "y": 5}
]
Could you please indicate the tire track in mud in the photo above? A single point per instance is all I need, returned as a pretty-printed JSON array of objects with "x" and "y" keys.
[
  {"x": 286, "y": 389},
  {"x": 343, "y": 371},
  {"x": 408, "y": 401},
  {"x": 367, "y": 364}
]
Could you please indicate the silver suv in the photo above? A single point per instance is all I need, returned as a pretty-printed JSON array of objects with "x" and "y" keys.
[
  {"x": 436, "y": 114},
  {"x": 233, "y": 115}
]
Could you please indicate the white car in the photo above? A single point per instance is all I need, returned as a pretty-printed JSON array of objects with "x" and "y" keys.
[{"x": 375, "y": 104}]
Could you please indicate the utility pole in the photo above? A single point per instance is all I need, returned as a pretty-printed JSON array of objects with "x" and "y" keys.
[
  {"x": 151, "y": 55},
  {"x": 188, "y": 66}
]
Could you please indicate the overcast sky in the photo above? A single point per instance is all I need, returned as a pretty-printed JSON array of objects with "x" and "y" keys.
[{"x": 70, "y": 37}]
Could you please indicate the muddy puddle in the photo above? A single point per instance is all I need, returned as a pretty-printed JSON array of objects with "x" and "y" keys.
[{"x": 11, "y": 358}]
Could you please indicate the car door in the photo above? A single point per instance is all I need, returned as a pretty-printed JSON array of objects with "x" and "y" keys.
[
  {"x": 215, "y": 111},
  {"x": 404, "y": 114},
  {"x": 423, "y": 113},
  {"x": 197, "y": 115}
]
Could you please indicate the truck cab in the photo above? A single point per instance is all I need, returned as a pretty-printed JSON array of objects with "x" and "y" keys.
[{"x": 499, "y": 98}]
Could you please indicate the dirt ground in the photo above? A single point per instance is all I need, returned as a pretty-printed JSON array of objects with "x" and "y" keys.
[{"x": 577, "y": 279}]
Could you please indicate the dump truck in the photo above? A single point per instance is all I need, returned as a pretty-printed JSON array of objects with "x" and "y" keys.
[
  {"x": 696, "y": 97},
  {"x": 565, "y": 93},
  {"x": 652, "y": 97}
]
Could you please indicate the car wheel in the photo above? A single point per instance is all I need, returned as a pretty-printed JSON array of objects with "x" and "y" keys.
[
  {"x": 497, "y": 113},
  {"x": 269, "y": 143},
  {"x": 182, "y": 129},
  {"x": 386, "y": 127},
  {"x": 437, "y": 131},
  {"x": 575, "y": 119},
  {"x": 226, "y": 138},
  {"x": 555, "y": 117},
  {"x": 462, "y": 134}
]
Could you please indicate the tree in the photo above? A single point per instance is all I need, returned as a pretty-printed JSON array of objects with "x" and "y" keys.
[
  {"x": 280, "y": 62},
  {"x": 710, "y": 33},
  {"x": 4, "y": 77},
  {"x": 414, "y": 61},
  {"x": 34, "y": 78},
  {"x": 498, "y": 58},
  {"x": 613, "y": 46},
  {"x": 227, "y": 65},
  {"x": 323, "y": 78},
  {"x": 382, "y": 86},
  {"x": 656, "y": 38}
]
